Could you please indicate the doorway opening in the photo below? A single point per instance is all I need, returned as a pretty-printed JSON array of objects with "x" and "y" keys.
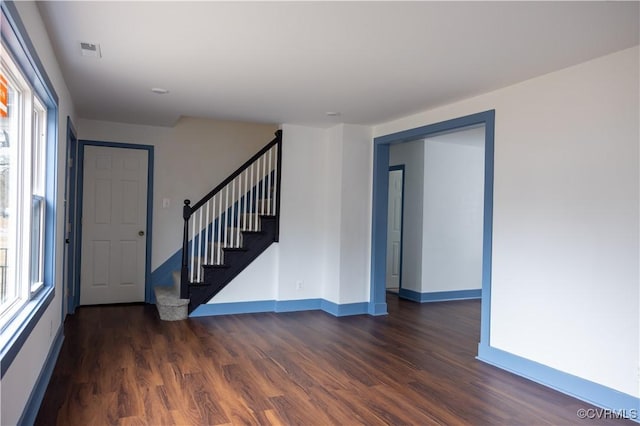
[
  {"x": 382, "y": 145},
  {"x": 395, "y": 229}
]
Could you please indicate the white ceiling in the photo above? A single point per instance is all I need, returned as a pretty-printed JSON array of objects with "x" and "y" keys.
[{"x": 291, "y": 62}]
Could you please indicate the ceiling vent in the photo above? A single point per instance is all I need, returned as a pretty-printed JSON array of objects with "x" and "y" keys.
[{"x": 90, "y": 49}]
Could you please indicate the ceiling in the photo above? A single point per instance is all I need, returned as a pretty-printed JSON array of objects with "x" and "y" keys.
[{"x": 292, "y": 62}]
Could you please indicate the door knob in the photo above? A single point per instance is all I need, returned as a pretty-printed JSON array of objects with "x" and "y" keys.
[{"x": 141, "y": 233}]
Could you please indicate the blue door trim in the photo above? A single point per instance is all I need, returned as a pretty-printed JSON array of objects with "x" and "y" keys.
[
  {"x": 400, "y": 167},
  {"x": 149, "y": 149},
  {"x": 70, "y": 182},
  {"x": 377, "y": 301}
]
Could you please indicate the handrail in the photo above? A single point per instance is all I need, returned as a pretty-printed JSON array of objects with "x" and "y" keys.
[{"x": 235, "y": 174}]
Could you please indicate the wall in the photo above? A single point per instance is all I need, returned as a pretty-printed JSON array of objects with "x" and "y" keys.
[
  {"x": 453, "y": 211},
  {"x": 323, "y": 252},
  {"x": 411, "y": 154},
  {"x": 189, "y": 160},
  {"x": 564, "y": 290},
  {"x": 22, "y": 376}
]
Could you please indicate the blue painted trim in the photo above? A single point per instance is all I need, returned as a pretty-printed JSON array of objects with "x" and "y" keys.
[
  {"x": 400, "y": 167},
  {"x": 380, "y": 200},
  {"x": 440, "y": 296},
  {"x": 30, "y": 412},
  {"x": 487, "y": 232},
  {"x": 32, "y": 313},
  {"x": 585, "y": 390},
  {"x": 70, "y": 190},
  {"x": 379, "y": 205},
  {"x": 16, "y": 38},
  {"x": 343, "y": 310},
  {"x": 280, "y": 306},
  {"x": 234, "y": 308},
  {"x": 298, "y": 305},
  {"x": 148, "y": 290}
]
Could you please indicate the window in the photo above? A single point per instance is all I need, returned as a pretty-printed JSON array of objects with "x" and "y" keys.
[
  {"x": 22, "y": 197},
  {"x": 28, "y": 146}
]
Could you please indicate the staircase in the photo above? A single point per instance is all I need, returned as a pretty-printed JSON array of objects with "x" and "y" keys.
[{"x": 225, "y": 231}]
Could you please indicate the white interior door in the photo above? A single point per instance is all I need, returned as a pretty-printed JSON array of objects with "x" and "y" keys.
[
  {"x": 114, "y": 225},
  {"x": 394, "y": 229}
]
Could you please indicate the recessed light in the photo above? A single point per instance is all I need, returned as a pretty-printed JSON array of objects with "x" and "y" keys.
[
  {"x": 159, "y": 91},
  {"x": 333, "y": 114}
]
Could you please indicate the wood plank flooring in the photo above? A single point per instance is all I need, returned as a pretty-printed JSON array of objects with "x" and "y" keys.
[{"x": 121, "y": 365}]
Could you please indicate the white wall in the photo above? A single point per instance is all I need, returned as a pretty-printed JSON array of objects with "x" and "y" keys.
[
  {"x": 21, "y": 376},
  {"x": 565, "y": 289},
  {"x": 325, "y": 220},
  {"x": 453, "y": 211},
  {"x": 355, "y": 223},
  {"x": 411, "y": 154},
  {"x": 303, "y": 213},
  {"x": 190, "y": 159},
  {"x": 259, "y": 281}
]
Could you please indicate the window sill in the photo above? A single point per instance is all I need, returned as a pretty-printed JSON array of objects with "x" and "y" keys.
[{"x": 17, "y": 332}]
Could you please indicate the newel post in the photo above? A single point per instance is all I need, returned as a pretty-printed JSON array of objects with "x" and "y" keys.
[{"x": 184, "y": 273}]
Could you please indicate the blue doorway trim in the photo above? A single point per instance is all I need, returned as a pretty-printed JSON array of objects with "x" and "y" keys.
[
  {"x": 400, "y": 167},
  {"x": 71, "y": 212},
  {"x": 377, "y": 301},
  {"x": 149, "y": 149}
]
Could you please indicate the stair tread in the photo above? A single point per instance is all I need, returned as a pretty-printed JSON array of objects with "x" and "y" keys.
[{"x": 166, "y": 296}]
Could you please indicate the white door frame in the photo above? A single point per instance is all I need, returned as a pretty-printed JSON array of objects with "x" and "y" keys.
[{"x": 149, "y": 149}]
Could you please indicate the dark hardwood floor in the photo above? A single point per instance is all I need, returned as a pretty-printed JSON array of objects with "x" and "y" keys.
[{"x": 122, "y": 365}]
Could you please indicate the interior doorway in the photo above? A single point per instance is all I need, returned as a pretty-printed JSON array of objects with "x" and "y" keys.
[
  {"x": 377, "y": 304},
  {"x": 395, "y": 229},
  {"x": 115, "y": 190}
]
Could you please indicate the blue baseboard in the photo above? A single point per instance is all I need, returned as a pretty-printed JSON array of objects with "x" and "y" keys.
[
  {"x": 439, "y": 296},
  {"x": 280, "y": 306},
  {"x": 37, "y": 394},
  {"x": 377, "y": 309},
  {"x": 345, "y": 309},
  {"x": 601, "y": 396},
  {"x": 298, "y": 305}
]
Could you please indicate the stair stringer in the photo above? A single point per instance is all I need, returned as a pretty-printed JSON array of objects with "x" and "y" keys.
[{"x": 217, "y": 277}]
